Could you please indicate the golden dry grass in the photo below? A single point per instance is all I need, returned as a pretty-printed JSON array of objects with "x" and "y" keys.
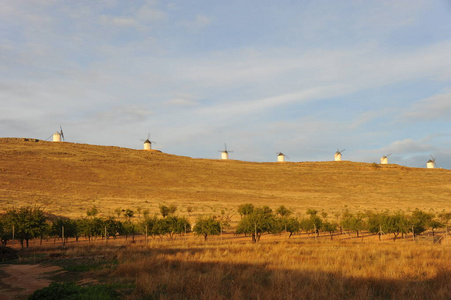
[
  {"x": 277, "y": 268},
  {"x": 67, "y": 178}
]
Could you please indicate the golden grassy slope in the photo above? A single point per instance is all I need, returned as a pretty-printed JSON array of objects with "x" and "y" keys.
[{"x": 66, "y": 178}]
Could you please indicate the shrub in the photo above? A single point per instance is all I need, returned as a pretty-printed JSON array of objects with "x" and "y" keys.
[{"x": 70, "y": 291}]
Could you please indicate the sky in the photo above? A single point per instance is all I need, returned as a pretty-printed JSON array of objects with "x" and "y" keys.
[{"x": 299, "y": 77}]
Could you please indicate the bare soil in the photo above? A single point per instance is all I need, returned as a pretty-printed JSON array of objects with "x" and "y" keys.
[{"x": 20, "y": 281}]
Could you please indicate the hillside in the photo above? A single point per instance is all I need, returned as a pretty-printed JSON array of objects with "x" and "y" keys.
[{"x": 66, "y": 178}]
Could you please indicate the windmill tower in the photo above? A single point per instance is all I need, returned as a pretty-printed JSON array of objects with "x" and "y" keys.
[
  {"x": 431, "y": 163},
  {"x": 148, "y": 143},
  {"x": 225, "y": 152},
  {"x": 58, "y": 136},
  {"x": 337, "y": 155},
  {"x": 281, "y": 157},
  {"x": 384, "y": 159}
]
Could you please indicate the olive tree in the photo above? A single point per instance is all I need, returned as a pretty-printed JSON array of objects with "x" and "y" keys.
[
  {"x": 261, "y": 220},
  {"x": 207, "y": 226},
  {"x": 28, "y": 222}
]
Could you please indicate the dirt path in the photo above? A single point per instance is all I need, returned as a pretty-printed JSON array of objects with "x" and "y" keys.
[{"x": 20, "y": 281}]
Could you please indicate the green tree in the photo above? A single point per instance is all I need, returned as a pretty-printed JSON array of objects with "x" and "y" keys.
[
  {"x": 245, "y": 209},
  {"x": 396, "y": 224},
  {"x": 261, "y": 220},
  {"x": 128, "y": 214},
  {"x": 352, "y": 222},
  {"x": 5, "y": 231},
  {"x": 377, "y": 223},
  {"x": 292, "y": 225},
  {"x": 92, "y": 211},
  {"x": 330, "y": 227},
  {"x": 70, "y": 228},
  {"x": 420, "y": 221},
  {"x": 207, "y": 226},
  {"x": 91, "y": 227},
  {"x": 148, "y": 225},
  {"x": 168, "y": 210},
  {"x": 28, "y": 222},
  {"x": 129, "y": 228}
]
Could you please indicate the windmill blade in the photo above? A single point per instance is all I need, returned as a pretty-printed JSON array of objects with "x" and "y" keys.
[
  {"x": 148, "y": 136},
  {"x": 343, "y": 150},
  {"x": 48, "y": 138},
  {"x": 61, "y": 132}
]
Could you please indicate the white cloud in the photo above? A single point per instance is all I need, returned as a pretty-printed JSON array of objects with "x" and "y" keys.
[
  {"x": 199, "y": 22},
  {"x": 123, "y": 114},
  {"x": 409, "y": 146},
  {"x": 181, "y": 102},
  {"x": 437, "y": 107}
]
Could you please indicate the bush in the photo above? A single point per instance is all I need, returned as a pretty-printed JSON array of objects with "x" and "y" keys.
[
  {"x": 7, "y": 253},
  {"x": 71, "y": 291}
]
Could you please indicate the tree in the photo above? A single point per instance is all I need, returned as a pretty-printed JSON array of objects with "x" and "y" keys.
[
  {"x": 283, "y": 211},
  {"x": 92, "y": 211},
  {"x": 377, "y": 223},
  {"x": 164, "y": 210},
  {"x": 420, "y": 221},
  {"x": 91, "y": 227},
  {"x": 149, "y": 223},
  {"x": 70, "y": 228},
  {"x": 207, "y": 226},
  {"x": 396, "y": 223},
  {"x": 168, "y": 210},
  {"x": 245, "y": 209},
  {"x": 129, "y": 228},
  {"x": 261, "y": 220},
  {"x": 118, "y": 211},
  {"x": 292, "y": 225},
  {"x": 28, "y": 222},
  {"x": 352, "y": 222},
  {"x": 330, "y": 227},
  {"x": 128, "y": 214},
  {"x": 113, "y": 227},
  {"x": 314, "y": 220},
  {"x": 5, "y": 231}
]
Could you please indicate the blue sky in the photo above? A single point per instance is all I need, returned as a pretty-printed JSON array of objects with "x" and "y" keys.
[{"x": 301, "y": 77}]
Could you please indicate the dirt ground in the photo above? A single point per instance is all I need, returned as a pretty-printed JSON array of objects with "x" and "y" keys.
[{"x": 20, "y": 281}]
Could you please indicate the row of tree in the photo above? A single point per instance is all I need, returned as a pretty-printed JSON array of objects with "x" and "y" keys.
[
  {"x": 257, "y": 221},
  {"x": 26, "y": 223}
]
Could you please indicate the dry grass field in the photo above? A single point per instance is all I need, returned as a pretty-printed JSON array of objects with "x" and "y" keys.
[
  {"x": 276, "y": 268},
  {"x": 67, "y": 178}
]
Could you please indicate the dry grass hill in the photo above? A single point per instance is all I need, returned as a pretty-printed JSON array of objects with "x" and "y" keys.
[{"x": 67, "y": 178}]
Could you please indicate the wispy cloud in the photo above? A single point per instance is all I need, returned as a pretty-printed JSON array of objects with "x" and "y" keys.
[
  {"x": 196, "y": 24},
  {"x": 435, "y": 108}
]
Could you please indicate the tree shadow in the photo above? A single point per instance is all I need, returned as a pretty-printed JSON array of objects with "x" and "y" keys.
[{"x": 180, "y": 279}]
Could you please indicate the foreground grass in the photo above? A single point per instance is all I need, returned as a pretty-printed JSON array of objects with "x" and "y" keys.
[{"x": 273, "y": 269}]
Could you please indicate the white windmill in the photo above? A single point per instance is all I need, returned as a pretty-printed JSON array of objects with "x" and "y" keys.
[
  {"x": 337, "y": 155},
  {"x": 58, "y": 136},
  {"x": 431, "y": 163},
  {"x": 148, "y": 143},
  {"x": 384, "y": 159},
  {"x": 225, "y": 152},
  {"x": 281, "y": 157}
]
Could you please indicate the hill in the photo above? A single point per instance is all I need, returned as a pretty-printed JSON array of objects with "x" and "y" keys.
[{"x": 67, "y": 178}]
